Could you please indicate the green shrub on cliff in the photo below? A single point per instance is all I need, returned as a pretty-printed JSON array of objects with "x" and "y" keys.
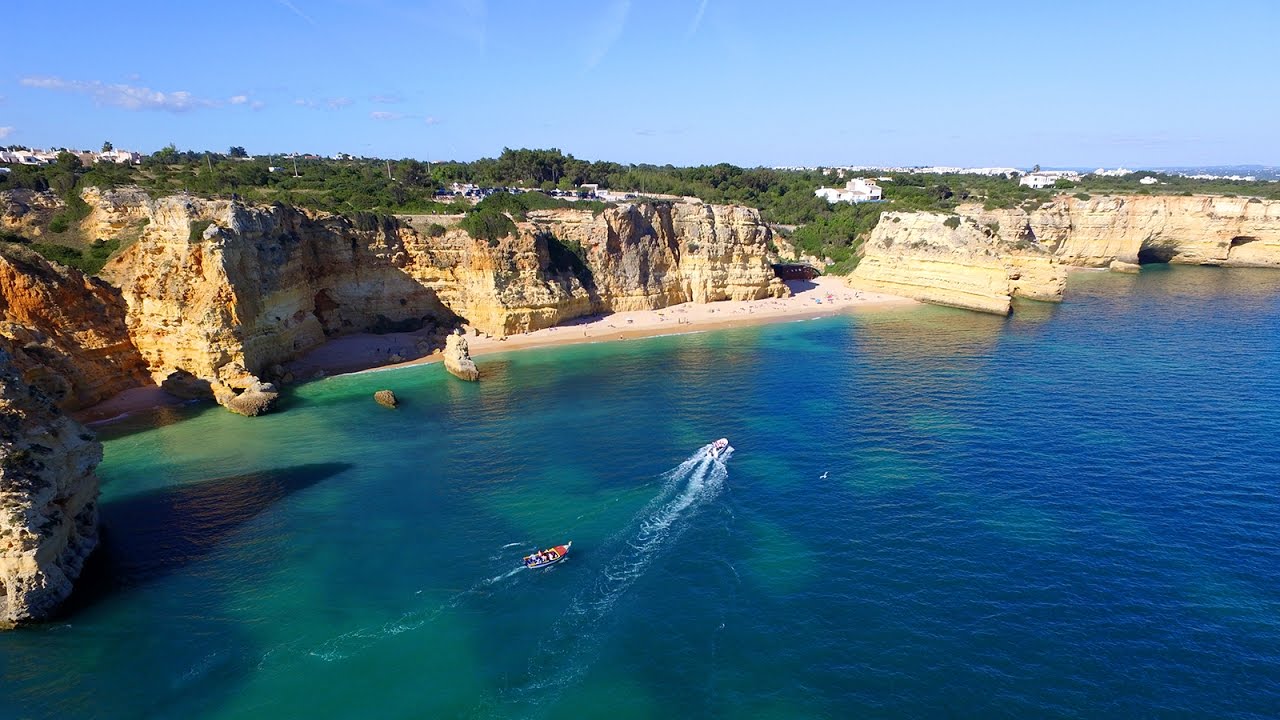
[
  {"x": 76, "y": 209},
  {"x": 838, "y": 232},
  {"x": 88, "y": 261},
  {"x": 196, "y": 234},
  {"x": 567, "y": 256},
  {"x": 952, "y": 222},
  {"x": 488, "y": 224}
]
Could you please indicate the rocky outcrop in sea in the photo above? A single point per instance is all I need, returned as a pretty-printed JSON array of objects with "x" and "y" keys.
[{"x": 457, "y": 358}]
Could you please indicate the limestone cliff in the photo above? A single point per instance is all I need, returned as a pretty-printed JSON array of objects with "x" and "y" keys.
[
  {"x": 67, "y": 330},
  {"x": 1196, "y": 230},
  {"x": 950, "y": 260},
  {"x": 219, "y": 291},
  {"x": 115, "y": 214},
  {"x": 27, "y": 212},
  {"x": 568, "y": 263},
  {"x": 48, "y": 499},
  {"x": 916, "y": 255}
]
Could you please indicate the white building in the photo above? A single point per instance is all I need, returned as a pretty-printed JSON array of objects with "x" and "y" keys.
[
  {"x": 120, "y": 157},
  {"x": 1148, "y": 180},
  {"x": 856, "y": 190},
  {"x": 1045, "y": 178},
  {"x": 1037, "y": 181}
]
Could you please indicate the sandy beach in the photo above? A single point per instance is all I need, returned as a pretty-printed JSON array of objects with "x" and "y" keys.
[{"x": 822, "y": 297}]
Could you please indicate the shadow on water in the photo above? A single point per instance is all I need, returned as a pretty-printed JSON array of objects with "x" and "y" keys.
[
  {"x": 151, "y": 535},
  {"x": 149, "y": 419}
]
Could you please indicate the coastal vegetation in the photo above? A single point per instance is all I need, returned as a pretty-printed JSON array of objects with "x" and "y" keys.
[
  {"x": 88, "y": 260},
  {"x": 352, "y": 186}
]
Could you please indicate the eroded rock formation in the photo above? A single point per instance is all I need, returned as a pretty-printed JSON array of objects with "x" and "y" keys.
[
  {"x": 67, "y": 330},
  {"x": 950, "y": 260},
  {"x": 457, "y": 358},
  {"x": 994, "y": 255},
  {"x": 48, "y": 498},
  {"x": 215, "y": 293},
  {"x": 1190, "y": 230},
  {"x": 27, "y": 212},
  {"x": 220, "y": 291}
]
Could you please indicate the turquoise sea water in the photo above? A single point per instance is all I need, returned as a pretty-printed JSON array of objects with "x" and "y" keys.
[{"x": 1074, "y": 512}]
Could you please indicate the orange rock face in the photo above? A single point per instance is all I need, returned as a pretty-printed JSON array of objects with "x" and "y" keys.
[{"x": 67, "y": 330}]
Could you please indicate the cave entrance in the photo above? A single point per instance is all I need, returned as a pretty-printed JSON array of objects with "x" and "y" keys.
[
  {"x": 1239, "y": 240},
  {"x": 1154, "y": 254}
]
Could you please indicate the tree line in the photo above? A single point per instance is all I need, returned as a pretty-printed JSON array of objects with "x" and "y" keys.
[{"x": 363, "y": 185}]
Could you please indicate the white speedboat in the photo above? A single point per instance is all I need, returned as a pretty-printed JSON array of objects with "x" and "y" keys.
[{"x": 718, "y": 447}]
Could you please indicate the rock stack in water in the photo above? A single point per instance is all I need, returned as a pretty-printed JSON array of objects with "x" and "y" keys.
[
  {"x": 48, "y": 499},
  {"x": 457, "y": 358},
  {"x": 386, "y": 398}
]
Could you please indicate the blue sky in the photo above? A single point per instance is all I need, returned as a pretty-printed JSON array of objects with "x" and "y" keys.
[{"x": 753, "y": 83}]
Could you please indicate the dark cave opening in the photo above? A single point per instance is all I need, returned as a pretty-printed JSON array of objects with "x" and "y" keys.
[{"x": 1151, "y": 254}]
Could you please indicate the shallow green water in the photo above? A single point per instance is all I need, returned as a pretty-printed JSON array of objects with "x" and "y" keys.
[{"x": 1072, "y": 512}]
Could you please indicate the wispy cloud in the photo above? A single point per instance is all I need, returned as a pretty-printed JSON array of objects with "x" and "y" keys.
[
  {"x": 432, "y": 120},
  {"x": 331, "y": 103},
  {"x": 129, "y": 97},
  {"x": 697, "y": 19},
  {"x": 612, "y": 25},
  {"x": 384, "y": 115},
  {"x": 386, "y": 99},
  {"x": 239, "y": 99},
  {"x": 6, "y": 131},
  {"x": 294, "y": 9},
  {"x": 257, "y": 105}
]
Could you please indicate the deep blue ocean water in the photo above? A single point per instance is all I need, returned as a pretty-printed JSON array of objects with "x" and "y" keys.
[{"x": 1073, "y": 512}]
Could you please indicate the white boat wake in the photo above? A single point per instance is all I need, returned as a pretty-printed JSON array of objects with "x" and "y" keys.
[
  {"x": 568, "y": 650},
  {"x": 353, "y": 642}
]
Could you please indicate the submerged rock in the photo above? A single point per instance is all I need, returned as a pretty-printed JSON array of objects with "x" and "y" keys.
[
  {"x": 1121, "y": 266},
  {"x": 48, "y": 499},
  {"x": 386, "y": 398},
  {"x": 457, "y": 358}
]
